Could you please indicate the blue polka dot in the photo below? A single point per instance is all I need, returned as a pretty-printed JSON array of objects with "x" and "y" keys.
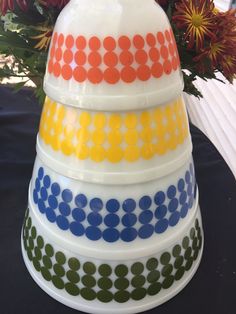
[
  {"x": 55, "y": 188},
  {"x": 173, "y": 205},
  {"x": 37, "y": 185},
  {"x": 41, "y": 206},
  {"x": 64, "y": 209},
  {"x": 51, "y": 216},
  {"x": 159, "y": 198},
  {"x": 77, "y": 228},
  {"x": 171, "y": 192},
  {"x": 146, "y": 216},
  {"x": 184, "y": 210},
  {"x": 190, "y": 202},
  {"x": 46, "y": 182},
  {"x": 112, "y": 205},
  {"x": 35, "y": 196},
  {"x": 62, "y": 222},
  {"x": 81, "y": 200},
  {"x": 93, "y": 233},
  {"x": 129, "y": 205},
  {"x": 174, "y": 219},
  {"x": 96, "y": 204},
  {"x": 146, "y": 231},
  {"x": 40, "y": 173},
  {"x": 161, "y": 226},
  {"x": 111, "y": 220},
  {"x": 44, "y": 193},
  {"x": 78, "y": 214},
  {"x": 190, "y": 189},
  {"x": 52, "y": 201},
  {"x": 111, "y": 235},
  {"x": 181, "y": 185},
  {"x": 183, "y": 197},
  {"x": 187, "y": 177},
  {"x": 145, "y": 202},
  {"x": 161, "y": 212},
  {"x": 191, "y": 169},
  {"x": 128, "y": 234},
  {"x": 128, "y": 220},
  {"x": 195, "y": 190},
  {"x": 94, "y": 219},
  {"x": 67, "y": 196}
]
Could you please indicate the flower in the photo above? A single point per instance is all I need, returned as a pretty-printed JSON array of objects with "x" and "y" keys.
[
  {"x": 44, "y": 37},
  {"x": 197, "y": 18},
  {"x": 54, "y": 3},
  {"x": 9, "y": 5}
]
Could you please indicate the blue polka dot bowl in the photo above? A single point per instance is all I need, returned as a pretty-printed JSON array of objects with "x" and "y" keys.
[
  {"x": 113, "y": 281},
  {"x": 114, "y": 215}
]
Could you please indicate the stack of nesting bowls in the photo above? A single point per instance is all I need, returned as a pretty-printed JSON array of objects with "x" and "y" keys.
[{"x": 113, "y": 223}]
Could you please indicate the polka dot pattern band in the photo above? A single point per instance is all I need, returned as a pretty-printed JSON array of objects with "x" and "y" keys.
[
  {"x": 114, "y": 137},
  {"x": 110, "y": 220},
  {"x": 113, "y": 60},
  {"x": 113, "y": 281}
]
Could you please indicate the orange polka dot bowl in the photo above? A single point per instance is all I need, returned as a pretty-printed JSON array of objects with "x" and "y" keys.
[{"x": 113, "y": 55}]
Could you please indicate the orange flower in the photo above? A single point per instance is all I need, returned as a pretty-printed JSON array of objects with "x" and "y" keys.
[{"x": 44, "y": 38}]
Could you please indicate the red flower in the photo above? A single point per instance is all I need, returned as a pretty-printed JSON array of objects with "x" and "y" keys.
[
  {"x": 54, "y": 3},
  {"x": 9, "y": 5}
]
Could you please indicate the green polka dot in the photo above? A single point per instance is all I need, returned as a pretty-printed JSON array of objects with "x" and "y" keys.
[
  {"x": 168, "y": 282},
  {"x": 176, "y": 250},
  {"x": 26, "y": 232},
  {"x": 40, "y": 242},
  {"x": 165, "y": 258},
  {"x": 72, "y": 276},
  {"x": 192, "y": 233},
  {"x": 195, "y": 242},
  {"x": 89, "y": 268},
  {"x": 46, "y": 274},
  {"x": 31, "y": 243},
  {"x": 59, "y": 270},
  {"x": 72, "y": 289},
  {"x": 152, "y": 264},
  {"x": 88, "y": 281},
  {"x": 138, "y": 281},
  {"x": 167, "y": 270},
  {"x": 105, "y": 270},
  {"x": 49, "y": 250},
  {"x": 121, "y": 270},
  {"x": 29, "y": 254},
  {"x": 105, "y": 283},
  {"x": 185, "y": 242},
  {"x": 137, "y": 268},
  {"x": 138, "y": 294},
  {"x": 73, "y": 263},
  {"x": 179, "y": 274},
  {"x": 33, "y": 233},
  {"x": 47, "y": 262},
  {"x": 88, "y": 294},
  {"x": 36, "y": 264},
  {"x": 153, "y": 276},
  {"x": 122, "y": 296},
  {"x": 196, "y": 223},
  {"x": 189, "y": 263},
  {"x": 178, "y": 262},
  {"x": 188, "y": 253},
  {"x": 37, "y": 253},
  {"x": 58, "y": 282},
  {"x": 121, "y": 283},
  {"x": 29, "y": 222},
  {"x": 104, "y": 296},
  {"x": 154, "y": 288},
  {"x": 195, "y": 254},
  {"x": 60, "y": 258}
]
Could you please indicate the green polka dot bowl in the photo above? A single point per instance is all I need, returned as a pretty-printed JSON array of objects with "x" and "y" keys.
[{"x": 119, "y": 282}]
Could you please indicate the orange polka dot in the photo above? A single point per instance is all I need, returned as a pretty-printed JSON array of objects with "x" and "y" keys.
[
  {"x": 141, "y": 57},
  {"x": 95, "y": 75},
  {"x": 94, "y": 43},
  {"x": 80, "y": 42},
  {"x": 50, "y": 66},
  {"x": 52, "y": 51},
  {"x": 164, "y": 52},
  {"x": 157, "y": 70},
  {"x": 154, "y": 54},
  {"x": 60, "y": 40},
  {"x": 124, "y": 42},
  {"x": 111, "y": 75},
  {"x": 70, "y": 41},
  {"x": 80, "y": 74},
  {"x": 160, "y": 38},
  {"x": 109, "y": 43},
  {"x": 110, "y": 59},
  {"x": 128, "y": 74},
  {"x": 54, "y": 39},
  {"x": 167, "y": 67},
  {"x": 138, "y": 42},
  {"x": 57, "y": 69},
  {"x": 171, "y": 49},
  {"x": 66, "y": 72},
  {"x": 68, "y": 56},
  {"x": 167, "y": 35},
  {"x": 174, "y": 63},
  {"x": 144, "y": 72},
  {"x": 80, "y": 57},
  {"x": 58, "y": 54},
  {"x": 94, "y": 59},
  {"x": 151, "y": 40},
  {"x": 126, "y": 58}
]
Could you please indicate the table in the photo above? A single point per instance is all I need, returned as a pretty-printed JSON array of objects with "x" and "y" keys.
[{"x": 212, "y": 290}]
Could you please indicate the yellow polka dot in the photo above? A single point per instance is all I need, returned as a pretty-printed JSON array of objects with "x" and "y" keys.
[
  {"x": 148, "y": 151},
  {"x": 157, "y": 116},
  {"x": 52, "y": 109},
  {"x": 145, "y": 118},
  {"x": 55, "y": 143},
  {"x": 131, "y": 137},
  {"x": 99, "y": 120},
  {"x": 83, "y": 135},
  {"x": 159, "y": 131},
  {"x": 160, "y": 148},
  {"x": 114, "y": 154},
  {"x": 69, "y": 132},
  {"x": 98, "y": 137},
  {"x": 82, "y": 151},
  {"x": 97, "y": 153},
  {"x": 47, "y": 138},
  {"x": 131, "y": 153},
  {"x": 60, "y": 113},
  {"x": 130, "y": 120},
  {"x": 146, "y": 135},
  {"x": 115, "y": 121},
  {"x": 67, "y": 147},
  {"x": 58, "y": 128},
  {"x": 85, "y": 119},
  {"x": 114, "y": 137}
]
